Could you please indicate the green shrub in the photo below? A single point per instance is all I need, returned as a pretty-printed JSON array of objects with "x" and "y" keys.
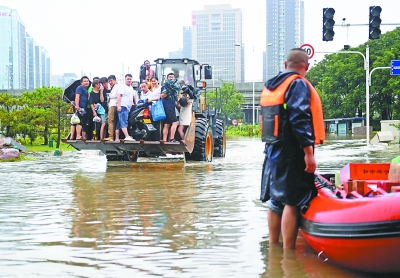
[{"x": 245, "y": 130}]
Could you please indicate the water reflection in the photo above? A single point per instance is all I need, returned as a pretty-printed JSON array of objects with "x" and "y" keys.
[
  {"x": 302, "y": 262},
  {"x": 78, "y": 215}
]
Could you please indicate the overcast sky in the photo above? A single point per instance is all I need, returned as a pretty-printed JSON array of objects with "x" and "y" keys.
[{"x": 97, "y": 37}]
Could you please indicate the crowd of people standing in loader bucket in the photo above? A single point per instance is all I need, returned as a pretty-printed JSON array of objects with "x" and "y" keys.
[{"x": 102, "y": 108}]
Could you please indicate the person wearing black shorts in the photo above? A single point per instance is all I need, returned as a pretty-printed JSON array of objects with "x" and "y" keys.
[
  {"x": 81, "y": 101},
  {"x": 169, "y": 96}
]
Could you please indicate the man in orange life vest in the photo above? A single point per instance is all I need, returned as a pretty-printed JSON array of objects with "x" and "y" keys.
[{"x": 292, "y": 123}]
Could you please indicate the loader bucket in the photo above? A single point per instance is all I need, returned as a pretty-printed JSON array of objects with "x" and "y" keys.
[{"x": 151, "y": 148}]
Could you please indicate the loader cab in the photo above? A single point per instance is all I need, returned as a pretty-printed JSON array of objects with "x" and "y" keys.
[{"x": 184, "y": 69}]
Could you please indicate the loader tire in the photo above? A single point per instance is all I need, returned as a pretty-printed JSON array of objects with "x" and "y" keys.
[{"x": 220, "y": 140}]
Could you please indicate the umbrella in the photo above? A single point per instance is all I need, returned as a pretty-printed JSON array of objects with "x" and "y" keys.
[{"x": 69, "y": 92}]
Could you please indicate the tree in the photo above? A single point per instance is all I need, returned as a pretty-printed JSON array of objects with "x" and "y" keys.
[
  {"x": 8, "y": 119},
  {"x": 47, "y": 111},
  {"x": 340, "y": 80},
  {"x": 226, "y": 101}
]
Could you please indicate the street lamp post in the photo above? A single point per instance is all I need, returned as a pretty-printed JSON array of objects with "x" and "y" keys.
[
  {"x": 252, "y": 72},
  {"x": 366, "y": 68},
  {"x": 367, "y": 82},
  {"x": 253, "y": 89}
]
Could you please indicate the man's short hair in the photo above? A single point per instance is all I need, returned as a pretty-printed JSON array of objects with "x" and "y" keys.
[
  {"x": 94, "y": 78},
  {"x": 146, "y": 61},
  {"x": 171, "y": 73},
  {"x": 95, "y": 82},
  {"x": 128, "y": 74},
  {"x": 83, "y": 77},
  {"x": 297, "y": 57},
  {"x": 103, "y": 80},
  {"x": 112, "y": 76}
]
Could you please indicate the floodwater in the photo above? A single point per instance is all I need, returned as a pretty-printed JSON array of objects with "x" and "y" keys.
[{"x": 81, "y": 216}]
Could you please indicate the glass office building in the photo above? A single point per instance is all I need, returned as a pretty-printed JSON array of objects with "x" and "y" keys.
[
  {"x": 13, "y": 50},
  {"x": 216, "y": 31},
  {"x": 187, "y": 42},
  {"x": 285, "y": 30},
  {"x": 31, "y": 44},
  {"x": 20, "y": 55}
]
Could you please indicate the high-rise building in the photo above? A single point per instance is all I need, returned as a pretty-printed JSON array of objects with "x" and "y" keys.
[
  {"x": 45, "y": 67},
  {"x": 31, "y": 64},
  {"x": 13, "y": 50},
  {"x": 178, "y": 54},
  {"x": 38, "y": 66},
  {"x": 69, "y": 78},
  {"x": 21, "y": 58},
  {"x": 285, "y": 30},
  {"x": 57, "y": 81},
  {"x": 217, "y": 41},
  {"x": 187, "y": 42}
]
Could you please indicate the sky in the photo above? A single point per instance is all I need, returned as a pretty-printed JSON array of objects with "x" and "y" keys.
[{"x": 100, "y": 38}]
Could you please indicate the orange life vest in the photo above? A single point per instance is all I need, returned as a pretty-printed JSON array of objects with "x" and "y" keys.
[{"x": 273, "y": 106}]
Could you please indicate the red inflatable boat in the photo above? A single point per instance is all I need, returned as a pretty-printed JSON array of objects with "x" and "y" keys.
[{"x": 360, "y": 233}]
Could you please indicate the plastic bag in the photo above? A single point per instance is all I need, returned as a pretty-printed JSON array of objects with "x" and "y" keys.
[
  {"x": 75, "y": 119},
  {"x": 157, "y": 111},
  {"x": 81, "y": 111},
  {"x": 97, "y": 119},
  {"x": 100, "y": 109}
]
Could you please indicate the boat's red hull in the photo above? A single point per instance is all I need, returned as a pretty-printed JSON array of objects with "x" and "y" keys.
[{"x": 361, "y": 234}]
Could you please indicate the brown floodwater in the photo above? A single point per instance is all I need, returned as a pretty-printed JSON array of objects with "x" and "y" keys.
[{"x": 81, "y": 216}]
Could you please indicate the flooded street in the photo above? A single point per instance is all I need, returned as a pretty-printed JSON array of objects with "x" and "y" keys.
[{"x": 81, "y": 216}]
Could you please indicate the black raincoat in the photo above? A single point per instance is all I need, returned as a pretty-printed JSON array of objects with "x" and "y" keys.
[{"x": 284, "y": 178}]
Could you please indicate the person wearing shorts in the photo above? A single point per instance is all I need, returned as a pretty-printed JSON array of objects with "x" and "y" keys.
[
  {"x": 126, "y": 97},
  {"x": 81, "y": 101},
  {"x": 169, "y": 95},
  {"x": 95, "y": 100}
]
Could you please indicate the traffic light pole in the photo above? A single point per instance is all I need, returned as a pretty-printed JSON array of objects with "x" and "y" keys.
[
  {"x": 361, "y": 24},
  {"x": 370, "y": 74},
  {"x": 367, "y": 82}
]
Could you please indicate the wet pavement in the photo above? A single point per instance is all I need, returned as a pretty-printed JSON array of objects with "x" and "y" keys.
[{"x": 81, "y": 216}]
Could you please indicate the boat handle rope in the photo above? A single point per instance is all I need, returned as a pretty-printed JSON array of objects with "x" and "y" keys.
[{"x": 324, "y": 259}]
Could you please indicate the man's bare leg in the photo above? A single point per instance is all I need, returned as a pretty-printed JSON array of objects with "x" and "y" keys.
[
  {"x": 290, "y": 226},
  {"x": 78, "y": 131},
  {"x": 165, "y": 131},
  {"x": 72, "y": 132},
  {"x": 274, "y": 227},
  {"x": 125, "y": 131},
  {"x": 102, "y": 135},
  {"x": 116, "y": 135},
  {"x": 181, "y": 133},
  {"x": 173, "y": 130}
]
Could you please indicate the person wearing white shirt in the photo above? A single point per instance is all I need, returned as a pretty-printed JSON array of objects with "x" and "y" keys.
[
  {"x": 126, "y": 97},
  {"x": 148, "y": 95}
]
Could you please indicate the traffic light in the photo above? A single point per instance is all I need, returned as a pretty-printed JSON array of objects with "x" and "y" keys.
[
  {"x": 374, "y": 22},
  {"x": 328, "y": 24}
]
